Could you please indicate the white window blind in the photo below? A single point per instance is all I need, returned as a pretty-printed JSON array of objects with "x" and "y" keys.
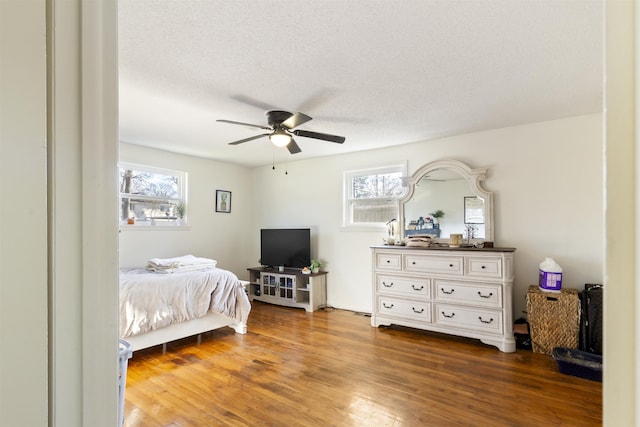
[{"x": 371, "y": 195}]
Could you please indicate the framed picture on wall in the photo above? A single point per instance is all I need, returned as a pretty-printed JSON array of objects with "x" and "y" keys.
[{"x": 223, "y": 201}]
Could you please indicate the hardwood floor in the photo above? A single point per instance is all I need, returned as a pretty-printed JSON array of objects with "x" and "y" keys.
[{"x": 331, "y": 368}]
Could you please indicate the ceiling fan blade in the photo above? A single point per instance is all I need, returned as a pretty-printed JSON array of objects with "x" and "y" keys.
[
  {"x": 295, "y": 120},
  {"x": 244, "y": 124},
  {"x": 293, "y": 147},
  {"x": 251, "y": 138},
  {"x": 245, "y": 99},
  {"x": 317, "y": 135}
]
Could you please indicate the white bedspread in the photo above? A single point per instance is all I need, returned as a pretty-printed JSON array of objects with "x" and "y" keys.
[{"x": 151, "y": 301}]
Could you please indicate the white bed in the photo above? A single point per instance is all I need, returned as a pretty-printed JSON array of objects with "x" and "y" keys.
[{"x": 159, "y": 307}]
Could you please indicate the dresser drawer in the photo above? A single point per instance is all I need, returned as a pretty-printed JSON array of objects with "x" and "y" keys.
[
  {"x": 476, "y": 294},
  {"x": 469, "y": 318},
  {"x": 414, "y": 310},
  {"x": 484, "y": 267},
  {"x": 413, "y": 287},
  {"x": 387, "y": 261},
  {"x": 438, "y": 265}
]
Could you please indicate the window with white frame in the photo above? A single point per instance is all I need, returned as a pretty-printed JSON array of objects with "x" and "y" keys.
[
  {"x": 371, "y": 195},
  {"x": 152, "y": 196}
]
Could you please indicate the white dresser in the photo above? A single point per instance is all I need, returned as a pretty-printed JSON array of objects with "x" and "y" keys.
[{"x": 465, "y": 292}]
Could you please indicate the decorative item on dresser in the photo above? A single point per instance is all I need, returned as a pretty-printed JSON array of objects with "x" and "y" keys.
[{"x": 465, "y": 292}]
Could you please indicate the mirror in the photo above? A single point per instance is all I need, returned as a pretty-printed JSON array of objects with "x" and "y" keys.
[
  {"x": 473, "y": 210},
  {"x": 445, "y": 197}
]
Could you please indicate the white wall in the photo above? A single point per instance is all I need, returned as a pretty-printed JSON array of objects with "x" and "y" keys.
[
  {"x": 621, "y": 383},
  {"x": 546, "y": 178},
  {"x": 58, "y": 314},
  {"x": 221, "y": 236},
  {"x": 23, "y": 217}
]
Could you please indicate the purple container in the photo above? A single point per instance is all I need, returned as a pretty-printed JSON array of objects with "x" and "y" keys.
[
  {"x": 550, "y": 281},
  {"x": 550, "y": 276}
]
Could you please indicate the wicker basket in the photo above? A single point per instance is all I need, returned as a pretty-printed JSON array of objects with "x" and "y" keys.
[{"x": 554, "y": 318}]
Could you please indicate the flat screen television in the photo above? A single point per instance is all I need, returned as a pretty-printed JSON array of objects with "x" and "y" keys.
[{"x": 289, "y": 247}]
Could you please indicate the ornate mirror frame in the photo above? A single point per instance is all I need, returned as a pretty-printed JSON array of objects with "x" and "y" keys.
[{"x": 473, "y": 176}]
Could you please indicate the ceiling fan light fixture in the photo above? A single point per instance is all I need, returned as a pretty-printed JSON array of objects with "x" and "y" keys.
[
  {"x": 280, "y": 138},
  {"x": 281, "y": 130}
]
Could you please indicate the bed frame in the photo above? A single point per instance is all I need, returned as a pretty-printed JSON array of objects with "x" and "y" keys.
[
  {"x": 189, "y": 328},
  {"x": 176, "y": 331}
]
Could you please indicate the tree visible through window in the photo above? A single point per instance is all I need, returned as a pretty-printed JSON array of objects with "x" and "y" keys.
[
  {"x": 372, "y": 195},
  {"x": 148, "y": 195}
]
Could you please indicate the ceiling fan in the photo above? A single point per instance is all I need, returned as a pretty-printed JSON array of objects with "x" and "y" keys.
[{"x": 281, "y": 126}]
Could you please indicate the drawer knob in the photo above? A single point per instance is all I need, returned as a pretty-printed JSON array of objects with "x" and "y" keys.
[
  {"x": 447, "y": 292},
  {"x": 485, "y": 296},
  {"x": 413, "y": 262},
  {"x": 417, "y": 311},
  {"x": 451, "y": 265},
  {"x": 390, "y": 285},
  {"x": 448, "y": 316},
  {"x": 485, "y": 321},
  {"x": 384, "y": 304},
  {"x": 483, "y": 267},
  {"x": 417, "y": 289},
  {"x": 388, "y": 261}
]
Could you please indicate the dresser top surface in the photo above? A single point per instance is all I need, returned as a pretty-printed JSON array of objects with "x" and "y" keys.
[{"x": 443, "y": 248}]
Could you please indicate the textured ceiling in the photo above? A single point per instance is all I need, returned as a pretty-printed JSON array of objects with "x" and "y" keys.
[{"x": 379, "y": 73}]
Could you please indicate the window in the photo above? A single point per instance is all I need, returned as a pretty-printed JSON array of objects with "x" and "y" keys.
[
  {"x": 152, "y": 196},
  {"x": 371, "y": 195}
]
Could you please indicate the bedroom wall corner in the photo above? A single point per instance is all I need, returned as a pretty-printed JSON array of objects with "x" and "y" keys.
[{"x": 210, "y": 234}]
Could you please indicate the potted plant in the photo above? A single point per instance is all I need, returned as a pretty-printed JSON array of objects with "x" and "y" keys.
[
  {"x": 180, "y": 210},
  {"x": 436, "y": 215},
  {"x": 315, "y": 265}
]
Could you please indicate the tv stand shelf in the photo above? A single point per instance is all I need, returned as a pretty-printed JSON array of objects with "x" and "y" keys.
[{"x": 290, "y": 287}]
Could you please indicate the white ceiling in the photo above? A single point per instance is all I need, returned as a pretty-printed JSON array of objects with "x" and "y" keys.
[{"x": 380, "y": 73}]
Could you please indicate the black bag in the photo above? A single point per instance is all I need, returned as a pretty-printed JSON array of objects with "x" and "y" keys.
[
  {"x": 522, "y": 334},
  {"x": 591, "y": 319}
]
